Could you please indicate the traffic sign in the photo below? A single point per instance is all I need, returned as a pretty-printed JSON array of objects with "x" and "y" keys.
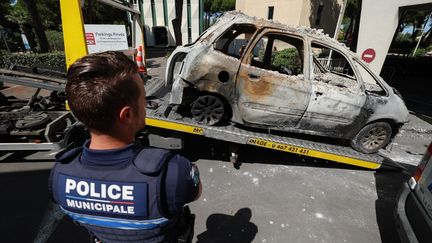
[{"x": 368, "y": 55}]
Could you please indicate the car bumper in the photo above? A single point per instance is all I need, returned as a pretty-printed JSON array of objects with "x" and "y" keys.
[
  {"x": 412, "y": 222},
  {"x": 403, "y": 226},
  {"x": 176, "y": 96}
]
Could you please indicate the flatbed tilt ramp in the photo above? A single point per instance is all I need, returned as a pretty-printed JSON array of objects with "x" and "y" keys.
[{"x": 163, "y": 117}]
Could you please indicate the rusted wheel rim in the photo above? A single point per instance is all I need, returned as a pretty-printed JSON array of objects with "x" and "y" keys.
[
  {"x": 375, "y": 138},
  {"x": 208, "y": 109}
]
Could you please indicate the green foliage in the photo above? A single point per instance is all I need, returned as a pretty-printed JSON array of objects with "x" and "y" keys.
[
  {"x": 420, "y": 52},
  {"x": 288, "y": 58},
  {"x": 352, "y": 7},
  {"x": 49, "y": 12},
  {"x": 228, "y": 5},
  {"x": 349, "y": 21},
  {"x": 55, "y": 60},
  {"x": 95, "y": 12},
  {"x": 55, "y": 39},
  {"x": 217, "y": 6},
  {"x": 403, "y": 37},
  {"x": 18, "y": 14}
]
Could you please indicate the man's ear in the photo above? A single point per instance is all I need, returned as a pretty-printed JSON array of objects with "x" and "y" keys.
[{"x": 125, "y": 114}]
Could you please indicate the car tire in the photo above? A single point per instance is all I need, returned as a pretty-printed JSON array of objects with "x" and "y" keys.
[
  {"x": 372, "y": 137},
  {"x": 208, "y": 110}
]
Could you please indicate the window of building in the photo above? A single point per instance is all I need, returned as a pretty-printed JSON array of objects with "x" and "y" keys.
[
  {"x": 234, "y": 41},
  {"x": 280, "y": 53},
  {"x": 270, "y": 12}
]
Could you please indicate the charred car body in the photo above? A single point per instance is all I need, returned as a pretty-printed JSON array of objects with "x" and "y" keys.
[{"x": 264, "y": 74}]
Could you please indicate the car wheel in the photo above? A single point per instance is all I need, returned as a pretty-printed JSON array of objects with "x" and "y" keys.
[
  {"x": 372, "y": 137},
  {"x": 208, "y": 109}
]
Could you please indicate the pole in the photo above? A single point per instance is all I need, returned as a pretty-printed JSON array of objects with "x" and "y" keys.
[
  {"x": 4, "y": 39},
  {"x": 336, "y": 33},
  {"x": 75, "y": 45},
  {"x": 421, "y": 36},
  {"x": 340, "y": 18}
]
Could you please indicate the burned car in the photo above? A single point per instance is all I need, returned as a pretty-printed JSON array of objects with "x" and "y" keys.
[{"x": 259, "y": 73}]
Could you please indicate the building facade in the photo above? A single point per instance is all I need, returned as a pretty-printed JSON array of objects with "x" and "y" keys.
[
  {"x": 158, "y": 16},
  {"x": 319, "y": 14}
]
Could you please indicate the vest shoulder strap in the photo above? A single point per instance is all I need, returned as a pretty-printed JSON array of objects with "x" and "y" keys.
[
  {"x": 66, "y": 156},
  {"x": 150, "y": 161}
]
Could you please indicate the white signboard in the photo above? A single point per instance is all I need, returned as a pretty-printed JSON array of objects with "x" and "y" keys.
[{"x": 102, "y": 37}]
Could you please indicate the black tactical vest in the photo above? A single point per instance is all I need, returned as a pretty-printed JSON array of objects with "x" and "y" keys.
[{"x": 123, "y": 203}]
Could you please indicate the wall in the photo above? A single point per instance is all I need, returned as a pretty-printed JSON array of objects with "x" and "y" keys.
[
  {"x": 295, "y": 12},
  {"x": 378, "y": 24},
  {"x": 159, "y": 15}
]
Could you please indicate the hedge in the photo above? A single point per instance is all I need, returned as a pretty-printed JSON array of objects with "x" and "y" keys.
[
  {"x": 287, "y": 58},
  {"x": 54, "y": 60}
]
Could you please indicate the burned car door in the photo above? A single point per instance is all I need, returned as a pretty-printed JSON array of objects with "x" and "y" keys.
[
  {"x": 337, "y": 97},
  {"x": 270, "y": 88},
  {"x": 219, "y": 64}
]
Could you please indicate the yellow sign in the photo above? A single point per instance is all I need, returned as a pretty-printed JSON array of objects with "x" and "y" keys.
[
  {"x": 312, "y": 153},
  {"x": 175, "y": 126},
  {"x": 278, "y": 146}
]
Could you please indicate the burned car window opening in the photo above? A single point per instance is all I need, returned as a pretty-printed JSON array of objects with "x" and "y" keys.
[
  {"x": 331, "y": 67},
  {"x": 280, "y": 53},
  {"x": 234, "y": 41},
  {"x": 370, "y": 82}
]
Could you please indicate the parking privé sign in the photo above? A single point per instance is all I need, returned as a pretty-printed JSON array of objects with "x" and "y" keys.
[{"x": 102, "y": 37}]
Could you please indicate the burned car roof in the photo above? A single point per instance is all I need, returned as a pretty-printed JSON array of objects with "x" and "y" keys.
[{"x": 239, "y": 17}]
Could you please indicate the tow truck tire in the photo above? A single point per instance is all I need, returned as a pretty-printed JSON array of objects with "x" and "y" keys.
[
  {"x": 208, "y": 110},
  {"x": 372, "y": 137}
]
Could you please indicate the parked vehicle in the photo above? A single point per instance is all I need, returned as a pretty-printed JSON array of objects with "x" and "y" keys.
[
  {"x": 414, "y": 205},
  {"x": 264, "y": 74}
]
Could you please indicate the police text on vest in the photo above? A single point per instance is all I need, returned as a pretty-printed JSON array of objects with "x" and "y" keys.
[{"x": 110, "y": 198}]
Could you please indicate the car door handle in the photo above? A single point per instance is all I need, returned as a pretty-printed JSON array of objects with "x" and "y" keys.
[
  {"x": 253, "y": 76},
  {"x": 318, "y": 94}
]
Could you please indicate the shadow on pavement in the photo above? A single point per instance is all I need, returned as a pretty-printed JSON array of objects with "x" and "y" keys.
[
  {"x": 24, "y": 200},
  {"x": 227, "y": 228},
  {"x": 24, "y": 197},
  {"x": 158, "y": 52},
  {"x": 388, "y": 184},
  {"x": 211, "y": 149},
  {"x": 152, "y": 64}
]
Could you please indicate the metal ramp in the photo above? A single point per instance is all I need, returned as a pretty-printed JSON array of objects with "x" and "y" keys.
[{"x": 231, "y": 133}]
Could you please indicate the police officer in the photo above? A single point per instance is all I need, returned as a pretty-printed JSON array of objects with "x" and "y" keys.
[{"x": 112, "y": 186}]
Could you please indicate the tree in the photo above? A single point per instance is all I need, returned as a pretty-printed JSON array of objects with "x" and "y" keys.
[
  {"x": 215, "y": 7},
  {"x": 26, "y": 13},
  {"x": 49, "y": 12},
  {"x": 18, "y": 15},
  {"x": 227, "y": 5},
  {"x": 37, "y": 25},
  {"x": 352, "y": 21}
]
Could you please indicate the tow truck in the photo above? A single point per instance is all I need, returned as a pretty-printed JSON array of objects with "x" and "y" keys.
[{"x": 166, "y": 126}]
